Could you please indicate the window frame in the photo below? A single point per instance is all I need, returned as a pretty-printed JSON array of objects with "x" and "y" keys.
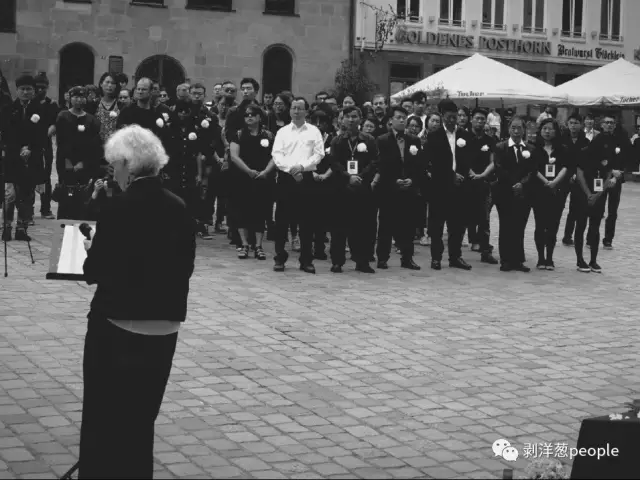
[
  {"x": 138, "y": 3},
  {"x": 404, "y": 79},
  {"x": 572, "y": 33},
  {"x": 292, "y": 12},
  {"x": 450, "y": 21},
  {"x": 492, "y": 25},
  {"x": 532, "y": 29},
  {"x": 12, "y": 24},
  {"x": 205, "y": 5},
  {"x": 414, "y": 19},
  {"x": 609, "y": 36}
]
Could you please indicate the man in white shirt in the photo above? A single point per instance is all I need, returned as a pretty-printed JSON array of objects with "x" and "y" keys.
[{"x": 297, "y": 150}]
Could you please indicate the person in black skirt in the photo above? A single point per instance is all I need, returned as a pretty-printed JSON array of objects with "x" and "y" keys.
[
  {"x": 554, "y": 168},
  {"x": 251, "y": 167}
]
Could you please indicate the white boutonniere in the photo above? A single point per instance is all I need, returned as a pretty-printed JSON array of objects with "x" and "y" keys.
[
  {"x": 615, "y": 416},
  {"x": 264, "y": 143},
  {"x": 485, "y": 148},
  {"x": 617, "y": 150},
  {"x": 605, "y": 163},
  {"x": 526, "y": 154},
  {"x": 192, "y": 136},
  {"x": 113, "y": 114},
  {"x": 413, "y": 150},
  {"x": 461, "y": 143},
  {"x": 81, "y": 128},
  {"x": 552, "y": 160},
  {"x": 327, "y": 151},
  {"x": 35, "y": 118},
  {"x": 204, "y": 123},
  {"x": 362, "y": 147},
  {"x": 160, "y": 122},
  {"x": 165, "y": 116}
]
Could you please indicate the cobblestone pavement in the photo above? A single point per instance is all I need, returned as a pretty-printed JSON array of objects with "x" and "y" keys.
[{"x": 395, "y": 375}]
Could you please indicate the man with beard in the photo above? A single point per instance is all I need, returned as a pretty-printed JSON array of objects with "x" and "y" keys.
[
  {"x": 50, "y": 114},
  {"x": 449, "y": 157},
  {"x": 354, "y": 163},
  {"x": 382, "y": 118}
]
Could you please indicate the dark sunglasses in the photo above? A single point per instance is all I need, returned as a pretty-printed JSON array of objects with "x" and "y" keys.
[
  {"x": 230, "y": 90},
  {"x": 164, "y": 95},
  {"x": 250, "y": 114}
]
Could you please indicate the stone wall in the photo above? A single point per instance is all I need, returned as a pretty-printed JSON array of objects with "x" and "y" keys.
[{"x": 210, "y": 45}]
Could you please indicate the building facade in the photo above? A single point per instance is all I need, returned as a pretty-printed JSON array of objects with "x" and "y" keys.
[
  {"x": 284, "y": 44},
  {"x": 553, "y": 40}
]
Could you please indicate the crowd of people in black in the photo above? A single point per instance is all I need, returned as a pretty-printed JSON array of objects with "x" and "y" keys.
[{"x": 359, "y": 178}]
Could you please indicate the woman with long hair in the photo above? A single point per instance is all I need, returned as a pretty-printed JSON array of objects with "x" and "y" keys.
[
  {"x": 464, "y": 118},
  {"x": 250, "y": 152},
  {"x": 549, "y": 189},
  {"x": 107, "y": 111}
]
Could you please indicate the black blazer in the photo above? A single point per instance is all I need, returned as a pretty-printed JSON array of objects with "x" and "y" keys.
[
  {"x": 392, "y": 167},
  {"x": 340, "y": 154},
  {"x": 441, "y": 157},
  {"x": 511, "y": 170},
  {"x": 139, "y": 279}
]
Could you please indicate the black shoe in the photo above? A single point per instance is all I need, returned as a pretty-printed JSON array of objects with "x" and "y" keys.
[
  {"x": 21, "y": 234},
  {"x": 320, "y": 256},
  {"x": 505, "y": 267},
  {"x": 595, "y": 268},
  {"x": 550, "y": 265},
  {"x": 409, "y": 264},
  {"x": 308, "y": 268},
  {"x": 542, "y": 264},
  {"x": 6, "y": 234},
  {"x": 607, "y": 245},
  {"x": 521, "y": 267},
  {"x": 583, "y": 266},
  {"x": 436, "y": 264},
  {"x": 488, "y": 258},
  {"x": 336, "y": 269},
  {"x": 459, "y": 263},
  {"x": 382, "y": 265},
  {"x": 365, "y": 268},
  {"x": 278, "y": 267},
  {"x": 48, "y": 215},
  {"x": 567, "y": 242}
]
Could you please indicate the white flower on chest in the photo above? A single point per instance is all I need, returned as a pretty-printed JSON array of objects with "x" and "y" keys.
[
  {"x": 192, "y": 136},
  {"x": 413, "y": 150},
  {"x": 81, "y": 128},
  {"x": 617, "y": 150},
  {"x": 461, "y": 143},
  {"x": 113, "y": 114},
  {"x": 485, "y": 148},
  {"x": 160, "y": 123},
  {"x": 552, "y": 160},
  {"x": 35, "y": 118},
  {"x": 362, "y": 147},
  {"x": 264, "y": 143},
  {"x": 526, "y": 154},
  {"x": 204, "y": 123}
]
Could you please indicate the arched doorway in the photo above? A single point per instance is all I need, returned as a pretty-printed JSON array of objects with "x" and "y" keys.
[
  {"x": 163, "y": 69},
  {"x": 77, "y": 67},
  {"x": 277, "y": 69}
]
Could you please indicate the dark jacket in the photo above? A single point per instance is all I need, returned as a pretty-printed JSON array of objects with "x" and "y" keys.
[
  {"x": 77, "y": 146},
  {"x": 441, "y": 158},
  {"x": 393, "y": 167},
  {"x": 138, "y": 279},
  {"x": 511, "y": 170},
  {"x": 28, "y": 129},
  {"x": 576, "y": 150},
  {"x": 561, "y": 159},
  {"x": 340, "y": 155},
  {"x": 603, "y": 149}
]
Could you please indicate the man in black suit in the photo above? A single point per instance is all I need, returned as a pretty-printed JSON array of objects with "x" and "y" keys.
[
  {"x": 450, "y": 161},
  {"x": 354, "y": 162},
  {"x": 398, "y": 181}
]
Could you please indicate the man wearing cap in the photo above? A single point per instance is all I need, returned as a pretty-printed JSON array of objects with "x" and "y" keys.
[
  {"x": 50, "y": 111},
  {"x": 24, "y": 132}
]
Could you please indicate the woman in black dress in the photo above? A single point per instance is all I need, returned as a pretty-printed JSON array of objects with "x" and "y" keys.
[{"x": 251, "y": 165}]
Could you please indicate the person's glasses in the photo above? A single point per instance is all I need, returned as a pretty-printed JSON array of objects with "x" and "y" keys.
[
  {"x": 230, "y": 90},
  {"x": 164, "y": 95},
  {"x": 609, "y": 122},
  {"x": 297, "y": 109},
  {"x": 250, "y": 115},
  {"x": 278, "y": 104}
]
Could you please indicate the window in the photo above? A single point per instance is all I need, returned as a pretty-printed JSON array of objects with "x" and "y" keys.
[
  {"x": 493, "y": 14},
  {"x": 451, "y": 13},
  {"x": 403, "y": 76},
  {"x": 409, "y": 10},
  {"x": 8, "y": 16},
  {"x": 151, "y": 3},
  {"x": 224, "y": 5},
  {"x": 280, "y": 7},
  {"x": 533, "y": 21},
  {"x": 277, "y": 69},
  {"x": 115, "y": 64},
  {"x": 572, "y": 16},
  {"x": 610, "y": 21}
]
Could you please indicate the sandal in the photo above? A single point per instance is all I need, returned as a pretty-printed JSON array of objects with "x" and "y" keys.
[
  {"x": 259, "y": 254},
  {"x": 243, "y": 252}
]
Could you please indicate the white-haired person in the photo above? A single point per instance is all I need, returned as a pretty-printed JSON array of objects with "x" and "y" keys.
[{"x": 137, "y": 309}]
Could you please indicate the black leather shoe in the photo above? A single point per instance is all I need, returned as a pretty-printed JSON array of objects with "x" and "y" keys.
[
  {"x": 382, "y": 265},
  {"x": 488, "y": 258},
  {"x": 336, "y": 269},
  {"x": 308, "y": 268},
  {"x": 410, "y": 264},
  {"x": 278, "y": 267},
  {"x": 436, "y": 264},
  {"x": 521, "y": 267},
  {"x": 365, "y": 268},
  {"x": 505, "y": 267},
  {"x": 460, "y": 263},
  {"x": 320, "y": 256}
]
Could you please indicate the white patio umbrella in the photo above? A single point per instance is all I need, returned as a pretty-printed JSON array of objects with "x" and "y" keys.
[
  {"x": 482, "y": 78},
  {"x": 617, "y": 83}
]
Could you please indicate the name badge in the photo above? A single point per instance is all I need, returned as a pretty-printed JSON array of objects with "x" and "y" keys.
[
  {"x": 352, "y": 167},
  {"x": 598, "y": 184},
  {"x": 550, "y": 171}
]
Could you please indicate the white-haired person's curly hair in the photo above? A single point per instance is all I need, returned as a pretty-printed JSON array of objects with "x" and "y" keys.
[{"x": 136, "y": 149}]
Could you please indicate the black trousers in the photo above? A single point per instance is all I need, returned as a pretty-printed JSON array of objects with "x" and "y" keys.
[
  {"x": 513, "y": 213},
  {"x": 480, "y": 203},
  {"x": 297, "y": 202},
  {"x": 397, "y": 220},
  {"x": 125, "y": 376},
  {"x": 570, "y": 222},
  {"x": 45, "y": 198},
  {"x": 547, "y": 211},
  {"x": 353, "y": 217},
  {"x": 448, "y": 206},
  {"x": 612, "y": 213},
  {"x": 593, "y": 215}
]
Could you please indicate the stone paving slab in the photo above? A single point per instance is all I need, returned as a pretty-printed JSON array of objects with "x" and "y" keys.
[{"x": 394, "y": 375}]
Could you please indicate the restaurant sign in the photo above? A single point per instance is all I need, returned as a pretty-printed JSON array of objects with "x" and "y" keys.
[{"x": 589, "y": 54}]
